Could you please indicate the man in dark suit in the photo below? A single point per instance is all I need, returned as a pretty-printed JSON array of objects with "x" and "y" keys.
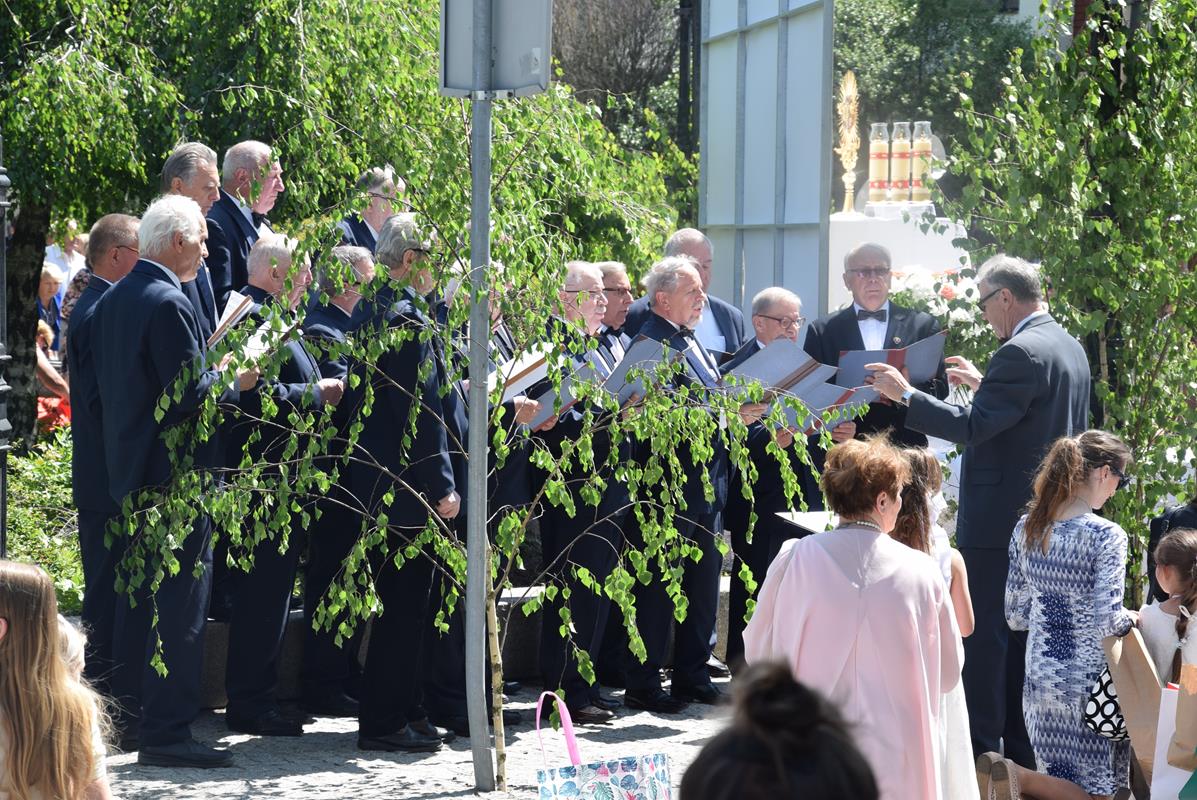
[
  {"x": 776, "y": 313},
  {"x": 330, "y": 674},
  {"x": 261, "y": 598},
  {"x": 678, "y": 301},
  {"x": 410, "y": 467},
  {"x": 144, "y": 333},
  {"x": 251, "y": 181},
  {"x": 191, "y": 171},
  {"x": 385, "y": 190},
  {"x": 1035, "y": 390},
  {"x": 111, "y": 253},
  {"x": 872, "y": 322},
  {"x": 721, "y": 329}
]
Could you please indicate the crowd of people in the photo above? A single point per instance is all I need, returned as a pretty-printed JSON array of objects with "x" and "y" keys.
[{"x": 948, "y": 667}]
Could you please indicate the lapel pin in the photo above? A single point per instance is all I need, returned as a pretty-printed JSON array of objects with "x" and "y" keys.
[{"x": 897, "y": 340}]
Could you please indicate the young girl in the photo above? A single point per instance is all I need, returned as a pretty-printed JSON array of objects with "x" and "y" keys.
[
  {"x": 50, "y": 745},
  {"x": 918, "y": 528},
  {"x": 1166, "y": 627}
]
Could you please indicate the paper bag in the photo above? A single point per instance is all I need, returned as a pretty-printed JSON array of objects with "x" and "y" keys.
[
  {"x": 1167, "y": 782},
  {"x": 1139, "y": 689},
  {"x": 1182, "y": 750}
]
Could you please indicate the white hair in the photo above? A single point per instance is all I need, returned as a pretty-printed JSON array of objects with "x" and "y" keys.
[
  {"x": 766, "y": 299},
  {"x": 663, "y": 276},
  {"x": 250, "y": 155},
  {"x": 867, "y": 249},
  {"x": 344, "y": 255},
  {"x": 51, "y": 270},
  {"x": 165, "y": 217},
  {"x": 184, "y": 161},
  {"x": 680, "y": 240},
  {"x": 575, "y": 270},
  {"x": 1020, "y": 277},
  {"x": 610, "y": 268},
  {"x": 270, "y": 250},
  {"x": 399, "y": 234}
]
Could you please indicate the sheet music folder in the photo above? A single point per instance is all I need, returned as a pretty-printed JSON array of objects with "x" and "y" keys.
[
  {"x": 921, "y": 359},
  {"x": 810, "y": 521}
]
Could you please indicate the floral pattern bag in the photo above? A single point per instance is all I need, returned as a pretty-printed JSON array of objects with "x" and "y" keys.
[{"x": 629, "y": 778}]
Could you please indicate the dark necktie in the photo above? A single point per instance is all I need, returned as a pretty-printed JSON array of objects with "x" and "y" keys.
[
  {"x": 258, "y": 219},
  {"x": 863, "y": 314}
]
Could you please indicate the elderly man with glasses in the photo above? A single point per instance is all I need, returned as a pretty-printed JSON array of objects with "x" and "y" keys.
[
  {"x": 1035, "y": 390},
  {"x": 872, "y": 322}
]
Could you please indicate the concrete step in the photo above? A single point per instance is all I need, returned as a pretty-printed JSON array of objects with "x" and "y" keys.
[{"x": 520, "y": 632}]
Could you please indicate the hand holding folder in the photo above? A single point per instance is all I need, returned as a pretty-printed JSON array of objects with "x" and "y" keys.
[{"x": 921, "y": 361}]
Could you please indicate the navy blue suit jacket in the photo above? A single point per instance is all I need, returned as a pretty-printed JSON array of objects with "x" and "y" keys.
[
  {"x": 144, "y": 333},
  {"x": 230, "y": 237},
  {"x": 835, "y": 333},
  {"x": 356, "y": 232},
  {"x": 203, "y": 300},
  {"x": 729, "y": 319},
  {"x": 89, "y": 471},
  {"x": 661, "y": 330},
  {"x": 327, "y": 324}
]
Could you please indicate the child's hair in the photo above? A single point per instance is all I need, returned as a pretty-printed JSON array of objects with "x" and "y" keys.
[
  {"x": 47, "y": 715},
  {"x": 913, "y": 526},
  {"x": 45, "y": 331},
  {"x": 1178, "y": 549},
  {"x": 72, "y": 644},
  {"x": 1063, "y": 472},
  {"x": 785, "y": 740}
]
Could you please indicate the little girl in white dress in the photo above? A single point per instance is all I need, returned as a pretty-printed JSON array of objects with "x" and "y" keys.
[{"x": 1170, "y": 636}]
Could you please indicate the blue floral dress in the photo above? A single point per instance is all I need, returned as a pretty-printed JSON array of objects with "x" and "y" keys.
[{"x": 1069, "y": 599}]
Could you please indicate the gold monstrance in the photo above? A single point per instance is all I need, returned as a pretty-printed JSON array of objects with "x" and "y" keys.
[{"x": 848, "y": 109}]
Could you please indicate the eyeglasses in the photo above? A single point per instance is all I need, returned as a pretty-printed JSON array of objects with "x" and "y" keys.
[
  {"x": 786, "y": 322},
  {"x": 1123, "y": 478},
  {"x": 981, "y": 303},
  {"x": 617, "y": 292},
  {"x": 132, "y": 250},
  {"x": 870, "y": 272}
]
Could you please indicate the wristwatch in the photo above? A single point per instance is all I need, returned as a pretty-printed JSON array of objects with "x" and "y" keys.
[{"x": 905, "y": 398}]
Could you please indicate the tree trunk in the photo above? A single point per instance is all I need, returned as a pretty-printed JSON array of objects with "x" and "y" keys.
[{"x": 24, "y": 266}]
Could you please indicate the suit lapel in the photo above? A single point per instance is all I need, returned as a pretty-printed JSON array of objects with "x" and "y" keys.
[
  {"x": 897, "y": 331},
  {"x": 248, "y": 231},
  {"x": 847, "y": 331}
]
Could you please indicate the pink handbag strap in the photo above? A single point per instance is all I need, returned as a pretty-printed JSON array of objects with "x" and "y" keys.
[{"x": 567, "y": 728}]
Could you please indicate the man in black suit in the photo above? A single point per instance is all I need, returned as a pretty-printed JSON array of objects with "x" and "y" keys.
[
  {"x": 261, "y": 598},
  {"x": 385, "y": 190},
  {"x": 111, "y": 253},
  {"x": 872, "y": 322},
  {"x": 191, "y": 171},
  {"x": 776, "y": 313},
  {"x": 330, "y": 674},
  {"x": 721, "y": 328},
  {"x": 409, "y": 466},
  {"x": 1035, "y": 390},
  {"x": 144, "y": 333},
  {"x": 678, "y": 301},
  {"x": 251, "y": 181}
]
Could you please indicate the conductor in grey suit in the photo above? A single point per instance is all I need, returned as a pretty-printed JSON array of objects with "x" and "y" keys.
[{"x": 1035, "y": 390}]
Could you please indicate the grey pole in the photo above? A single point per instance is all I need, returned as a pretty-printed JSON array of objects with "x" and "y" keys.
[{"x": 477, "y": 562}]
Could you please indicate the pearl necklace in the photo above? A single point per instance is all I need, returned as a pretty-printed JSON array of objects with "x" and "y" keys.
[{"x": 864, "y": 523}]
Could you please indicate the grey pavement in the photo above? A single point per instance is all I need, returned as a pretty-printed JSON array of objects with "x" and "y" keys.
[{"x": 325, "y": 761}]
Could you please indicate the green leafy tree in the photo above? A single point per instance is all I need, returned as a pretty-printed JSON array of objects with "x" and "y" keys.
[{"x": 1086, "y": 164}]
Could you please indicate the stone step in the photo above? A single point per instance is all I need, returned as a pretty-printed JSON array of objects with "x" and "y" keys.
[{"x": 521, "y": 645}]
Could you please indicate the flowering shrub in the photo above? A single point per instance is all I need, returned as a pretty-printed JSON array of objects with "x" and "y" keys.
[{"x": 951, "y": 297}]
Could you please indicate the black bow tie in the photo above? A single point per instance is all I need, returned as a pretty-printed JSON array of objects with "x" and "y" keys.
[
  {"x": 687, "y": 332},
  {"x": 862, "y": 314},
  {"x": 257, "y": 218}
]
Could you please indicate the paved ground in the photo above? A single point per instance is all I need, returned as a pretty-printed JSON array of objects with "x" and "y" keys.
[{"x": 325, "y": 762}]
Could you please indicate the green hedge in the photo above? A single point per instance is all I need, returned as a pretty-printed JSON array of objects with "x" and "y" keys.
[{"x": 42, "y": 523}]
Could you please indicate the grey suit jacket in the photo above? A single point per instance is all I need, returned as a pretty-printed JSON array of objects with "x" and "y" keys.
[{"x": 1035, "y": 390}]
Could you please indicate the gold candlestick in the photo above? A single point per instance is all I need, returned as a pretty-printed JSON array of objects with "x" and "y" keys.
[{"x": 848, "y": 109}]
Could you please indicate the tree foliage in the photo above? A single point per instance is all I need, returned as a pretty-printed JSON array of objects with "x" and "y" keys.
[{"x": 1086, "y": 164}]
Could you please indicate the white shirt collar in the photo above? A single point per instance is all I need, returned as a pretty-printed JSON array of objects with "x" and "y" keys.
[
  {"x": 1025, "y": 321},
  {"x": 173, "y": 277},
  {"x": 371, "y": 228},
  {"x": 246, "y": 211}
]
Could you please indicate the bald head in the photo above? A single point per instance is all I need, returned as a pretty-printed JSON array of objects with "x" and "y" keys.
[
  {"x": 695, "y": 244},
  {"x": 112, "y": 246}
]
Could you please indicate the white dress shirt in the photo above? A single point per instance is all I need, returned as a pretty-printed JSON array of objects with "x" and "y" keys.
[
  {"x": 707, "y": 330},
  {"x": 872, "y": 331}
]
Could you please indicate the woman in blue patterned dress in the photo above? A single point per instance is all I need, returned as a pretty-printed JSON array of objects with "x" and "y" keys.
[{"x": 1067, "y": 568}]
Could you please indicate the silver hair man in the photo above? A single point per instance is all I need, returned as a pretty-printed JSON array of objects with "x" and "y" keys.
[
  {"x": 184, "y": 161},
  {"x": 766, "y": 299},
  {"x": 269, "y": 251},
  {"x": 1020, "y": 277},
  {"x": 167, "y": 217},
  {"x": 663, "y": 277}
]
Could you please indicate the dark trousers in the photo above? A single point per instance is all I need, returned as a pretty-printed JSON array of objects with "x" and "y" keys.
[
  {"x": 654, "y": 613},
  {"x": 767, "y": 538},
  {"x": 591, "y": 540},
  {"x": 444, "y": 652},
  {"x": 328, "y": 669},
  {"x": 167, "y": 704},
  {"x": 392, "y": 679},
  {"x": 99, "y": 594},
  {"x": 261, "y": 603},
  {"x": 994, "y": 662}
]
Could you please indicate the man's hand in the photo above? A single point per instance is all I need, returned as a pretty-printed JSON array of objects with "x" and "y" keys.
[
  {"x": 962, "y": 372},
  {"x": 887, "y": 380},
  {"x": 331, "y": 390},
  {"x": 752, "y": 412},
  {"x": 525, "y": 409},
  {"x": 784, "y": 437},
  {"x": 547, "y": 425},
  {"x": 843, "y": 432},
  {"x": 248, "y": 379},
  {"x": 448, "y": 506}
]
